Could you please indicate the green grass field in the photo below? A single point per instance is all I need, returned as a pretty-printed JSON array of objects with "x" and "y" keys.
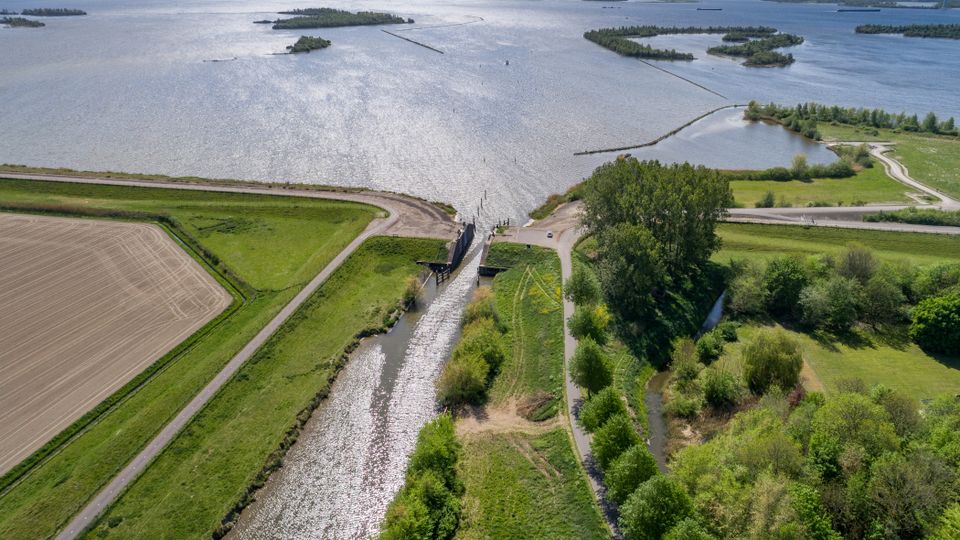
[
  {"x": 899, "y": 364},
  {"x": 282, "y": 243},
  {"x": 868, "y": 186},
  {"x": 528, "y": 300},
  {"x": 930, "y": 159},
  {"x": 524, "y": 487},
  {"x": 206, "y": 469},
  {"x": 744, "y": 241}
]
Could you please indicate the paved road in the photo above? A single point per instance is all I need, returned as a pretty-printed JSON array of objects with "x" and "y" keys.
[
  {"x": 412, "y": 217},
  {"x": 406, "y": 216}
]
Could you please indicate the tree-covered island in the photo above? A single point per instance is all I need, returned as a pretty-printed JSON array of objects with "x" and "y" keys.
[
  {"x": 330, "y": 18},
  {"x": 20, "y": 22},
  {"x": 53, "y": 12},
  {"x": 945, "y": 31},
  {"x": 308, "y": 43},
  {"x": 754, "y": 43}
]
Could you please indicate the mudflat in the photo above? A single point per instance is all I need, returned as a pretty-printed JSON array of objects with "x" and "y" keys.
[{"x": 85, "y": 305}]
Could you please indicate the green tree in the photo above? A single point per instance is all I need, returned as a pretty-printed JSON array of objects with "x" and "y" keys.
[
  {"x": 910, "y": 492},
  {"x": 590, "y": 321},
  {"x": 437, "y": 450},
  {"x": 883, "y": 300},
  {"x": 747, "y": 294},
  {"x": 627, "y": 472},
  {"x": 857, "y": 262},
  {"x": 590, "y": 367},
  {"x": 612, "y": 439},
  {"x": 688, "y": 529},
  {"x": 772, "y": 358},
  {"x": 583, "y": 287},
  {"x": 949, "y": 525},
  {"x": 601, "y": 407},
  {"x": 463, "y": 380},
  {"x": 655, "y": 507},
  {"x": 709, "y": 347},
  {"x": 930, "y": 123},
  {"x": 850, "y": 425},
  {"x": 936, "y": 324},
  {"x": 799, "y": 167},
  {"x": 834, "y": 303},
  {"x": 784, "y": 278},
  {"x": 721, "y": 388},
  {"x": 482, "y": 338},
  {"x": 769, "y": 200}
]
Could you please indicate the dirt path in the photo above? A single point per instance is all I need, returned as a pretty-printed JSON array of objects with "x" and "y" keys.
[
  {"x": 501, "y": 418},
  {"x": 407, "y": 217}
]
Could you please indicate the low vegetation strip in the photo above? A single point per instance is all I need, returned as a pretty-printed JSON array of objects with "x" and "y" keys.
[
  {"x": 949, "y": 31},
  {"x": 917, "y": 215},
  {"x": 20, "y": 22},
  {"x": 267, "y": 400},
  {"x": 804, "y": 117},
  {"x": 257, "y": 246},
  {"x": 53, "y": 12}
]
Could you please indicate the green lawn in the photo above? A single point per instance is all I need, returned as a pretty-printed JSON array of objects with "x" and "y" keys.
[
  {"x": 742, "y": 241},
  {"x": 525, "y": 486},
  {"x": 935, "y": 161},
  {"x": 899, "y": 364},
  {"x": 868, "y": 186},
  {"x": 281, "y": 244},
  {"x": 196, "y": 480},
  {"x": 528, "y": 300}
]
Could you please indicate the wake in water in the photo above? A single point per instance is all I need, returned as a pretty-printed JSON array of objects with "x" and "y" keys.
[{"x": 350, "y": 460}]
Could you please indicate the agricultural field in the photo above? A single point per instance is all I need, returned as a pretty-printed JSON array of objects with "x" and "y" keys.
[
  {"x": 930, "y": 159},
  {"x": 745, "y": 240},
  {"x": 210, "y": 461},
  {"x": 88, "y": 305},
  {"x": 263, "y": 249},
  {"x": 868, "y": 186}
]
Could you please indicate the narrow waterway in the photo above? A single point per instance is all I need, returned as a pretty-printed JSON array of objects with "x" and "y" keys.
[{"x": 350, "y": 459}]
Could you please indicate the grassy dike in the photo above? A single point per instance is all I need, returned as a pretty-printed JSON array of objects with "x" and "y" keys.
[
  {"x": 210, "y": 467},
  {"x": 264, "y": 249}
]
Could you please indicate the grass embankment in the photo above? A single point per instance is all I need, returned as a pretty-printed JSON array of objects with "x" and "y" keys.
[
  {"x": 526, "y": 482},
  {"x": 933, "y": 160},
  {"x": 744, "y": 241},
  {"x": 897, "y": 364},
  {"x": 867, "y": 186},
  {"x": 209, "y": 467},
  {"x": 268, "y": 246}
]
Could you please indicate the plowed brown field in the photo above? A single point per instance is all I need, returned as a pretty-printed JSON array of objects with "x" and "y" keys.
[{"x": 85, "y": 305}]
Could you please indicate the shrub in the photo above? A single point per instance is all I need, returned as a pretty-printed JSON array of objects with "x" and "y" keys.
[
  {"x": 463, "y": 380},
  {"x": 590, "y": 322},
  {"x": 882, "y": 300},
  {"x": 936, "y": 324},
  {"x": 721, "y": 389},
  {"x": 583, "y": 287},
  {"x": 772, "y": 358},
  {"x": 688, "y": 529},
  {"x": 933, "y": 280},
  {"x": 709, "y": 347},
  {"x": 727, "y": 330},
  {"x": 627, "y": 472},
  {"x": 437, "y": 450},
  {"x": 598, "y": 409},
  {"x": 833, "y": 303},
  {"x": 614, "y": 437},
  {"x": 654, "y": 508},
  {"x": 684, "y": 405},
  {"x": 590, "y": 367},
  {"x": 857, "y": 262},
  {"x": 767, "y": 201},
  {"x": 747, "y": 294},
  {"x": 481, "y": 307},
  {"x": 785, "y": 277},
  {"x": 482, "y": 338}
]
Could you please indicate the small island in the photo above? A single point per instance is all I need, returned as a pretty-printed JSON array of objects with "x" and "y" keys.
[
  {"x": 755, "y": 43},
  {"x": 330, "y": 18},
  {"x": 20, "y": 22},
  {"x": 943, "y": 31},
  {"x": 307, "y": 44},
  {"x": 53, "y": 12}
]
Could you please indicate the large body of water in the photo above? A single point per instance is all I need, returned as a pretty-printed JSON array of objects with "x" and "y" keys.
[
  {"x": 127, "y": 88},
  {"x": 516, "y": 93}
]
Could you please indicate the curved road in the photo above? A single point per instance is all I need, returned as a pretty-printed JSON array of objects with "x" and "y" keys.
[{"x": 407, "y": 216}]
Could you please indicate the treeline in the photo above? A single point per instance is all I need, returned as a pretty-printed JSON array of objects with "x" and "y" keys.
[
  {"x": 760, "y": 52},
  {"x": 53, "y": 12},
  {"x": 307, "y": 44},
  {"x": 20, "y": 22},
  {"x": 428, "y": 505},
  {"x": 655, "y": 230},
  {"x": 948, "y": 31},
  {"x": 803, "y": 118},
  {"x": 329, "y": 18},
  {"x": 476, "y": 359},
  {"x": 835, "y": 293},
  {"x": 617, "y": 39},
  {"x": 875, "y": 3}
]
